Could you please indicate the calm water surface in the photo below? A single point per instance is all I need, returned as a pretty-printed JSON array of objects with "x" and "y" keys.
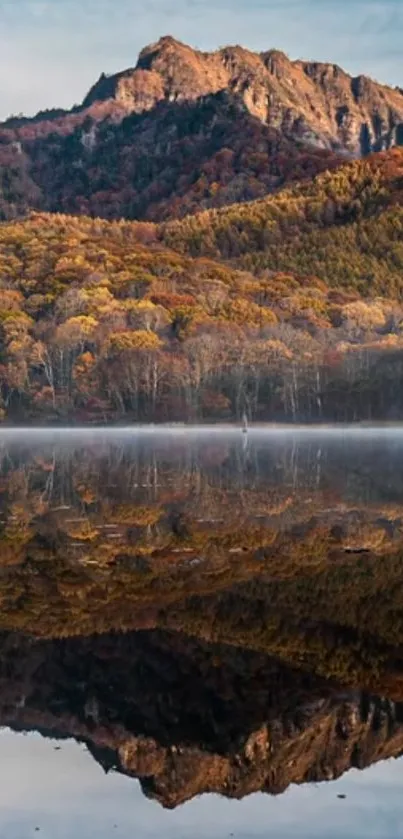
[{"x": 201, "y": 633}]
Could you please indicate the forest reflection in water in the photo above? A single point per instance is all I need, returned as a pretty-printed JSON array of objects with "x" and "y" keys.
[{"x": 206, "y": 612}]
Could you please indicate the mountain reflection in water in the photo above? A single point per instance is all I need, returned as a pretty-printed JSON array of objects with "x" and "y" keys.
[{"x": 207, "y": 613}]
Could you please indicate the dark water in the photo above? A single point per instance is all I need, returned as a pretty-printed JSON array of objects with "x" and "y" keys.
[{"x": 201, "y": 633}]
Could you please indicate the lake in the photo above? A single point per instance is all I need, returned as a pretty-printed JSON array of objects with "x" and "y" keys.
[{"x": 201, "y": 633}]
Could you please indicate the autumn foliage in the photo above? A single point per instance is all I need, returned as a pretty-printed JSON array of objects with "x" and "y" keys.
[{"x": 100, "y": 321}]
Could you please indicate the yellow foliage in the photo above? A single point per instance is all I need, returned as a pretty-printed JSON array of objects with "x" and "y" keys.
[
  {"x": 364, "y": 315},
  {"x": 138, "y": 340},
  {"x": 137, "y": 516},
  {"x": 76, "y": 330},
  {"x": 275, "y": 350}
]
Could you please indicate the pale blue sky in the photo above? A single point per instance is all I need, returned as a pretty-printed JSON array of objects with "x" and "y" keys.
[{"x": 51, "y": 51}]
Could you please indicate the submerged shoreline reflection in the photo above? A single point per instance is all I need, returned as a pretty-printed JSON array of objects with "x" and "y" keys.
[
  {"x": 186, "y": 717},
  {"x": 205, "y": 614}
]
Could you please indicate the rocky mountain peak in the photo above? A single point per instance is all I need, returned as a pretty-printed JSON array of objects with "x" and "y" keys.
[
  {"x": 164, "y": 122},
  {"x": 316, "y": 103},
  {"x": 164, "y": 47},
  {"x": 276, "y": 62}
]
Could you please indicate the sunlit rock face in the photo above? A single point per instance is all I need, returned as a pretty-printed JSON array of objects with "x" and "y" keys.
[{"x": 318, "y": 103}]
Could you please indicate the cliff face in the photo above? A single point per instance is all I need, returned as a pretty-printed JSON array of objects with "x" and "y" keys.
[
  {"x": 205, "y": 719},
  {"x": 317, "y": 103},
  {"x": 185, "y": 130}
]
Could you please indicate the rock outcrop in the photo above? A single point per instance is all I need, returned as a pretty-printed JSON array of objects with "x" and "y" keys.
[{"x": 316, "y": 103}]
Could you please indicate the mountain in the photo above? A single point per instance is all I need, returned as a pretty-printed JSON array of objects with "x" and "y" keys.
[
  {"x": 185, "y": 130},
  {"x": 286, "y": 306},
  {"x": 318, "y": 103}
]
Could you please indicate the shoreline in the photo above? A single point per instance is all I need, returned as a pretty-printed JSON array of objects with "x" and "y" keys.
[{"x": 219, "y": 428}]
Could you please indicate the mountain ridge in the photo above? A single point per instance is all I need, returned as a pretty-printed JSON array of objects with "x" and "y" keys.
[
  {"x": 272, "y": 87},
  {"x": 185, "y": 130}
]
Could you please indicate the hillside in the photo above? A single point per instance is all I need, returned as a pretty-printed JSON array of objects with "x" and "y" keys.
[
  {"x": 344, "y": 226},
  {"x": 177, "y": 158},
  {"x": 185, "y": 130},
  {"x": 100, "y": 322}
]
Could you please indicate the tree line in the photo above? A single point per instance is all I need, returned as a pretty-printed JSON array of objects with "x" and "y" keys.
[{"x": 101, "y": 322}]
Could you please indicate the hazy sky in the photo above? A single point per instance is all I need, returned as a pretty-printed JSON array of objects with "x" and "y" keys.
[{"x": 51, "y": 51}]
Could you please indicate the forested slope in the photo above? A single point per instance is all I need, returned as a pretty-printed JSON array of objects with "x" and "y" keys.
[
  {"x": 344, "y": 226},
  {"x": 178, "y": 158},
  {"x": 100, "y": 321}
]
